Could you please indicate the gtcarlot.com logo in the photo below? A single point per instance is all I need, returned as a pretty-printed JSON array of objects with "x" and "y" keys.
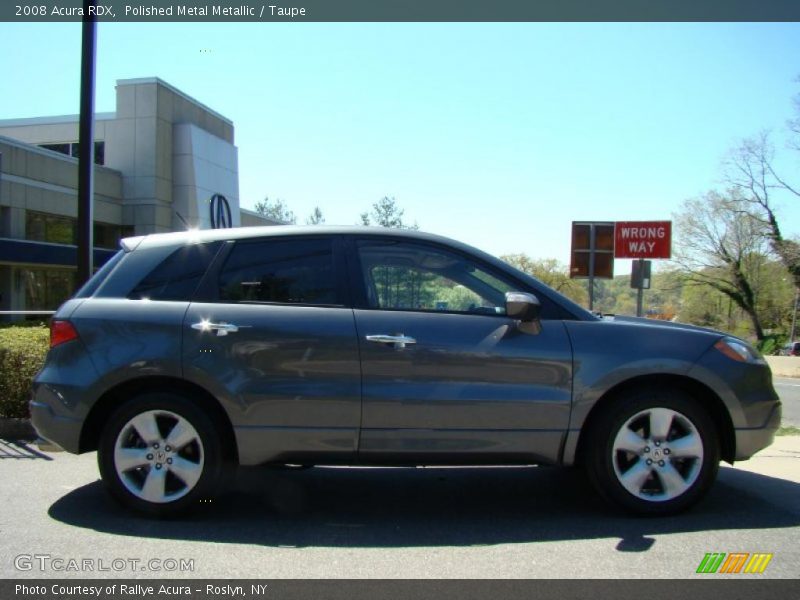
[
  {"x": 734, "y": 562},
  {"x": 47, "y": 562}
]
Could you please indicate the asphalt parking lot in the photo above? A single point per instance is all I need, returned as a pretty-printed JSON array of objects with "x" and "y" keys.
[{"x": 391, "y": 523}]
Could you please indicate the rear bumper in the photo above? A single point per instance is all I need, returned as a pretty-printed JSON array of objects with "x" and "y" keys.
[
  {"x": 62, "y": 431},
  {"x": 751, "y": 440}
]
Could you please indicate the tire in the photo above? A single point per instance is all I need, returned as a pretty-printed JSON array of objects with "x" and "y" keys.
[
  {"x": 653, "y": 452},
  {"x": 160, "y": 454}
]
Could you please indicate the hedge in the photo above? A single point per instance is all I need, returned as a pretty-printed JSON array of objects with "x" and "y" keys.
[{"x": 22, "y": 352}]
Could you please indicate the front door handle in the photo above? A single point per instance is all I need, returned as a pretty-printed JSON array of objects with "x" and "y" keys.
[
  {"x": 220, "y": 328},
  {"x": 398, "y": 341}
]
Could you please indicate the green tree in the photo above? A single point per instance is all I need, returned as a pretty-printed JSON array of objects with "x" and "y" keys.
[
  {"x": 277, "y": 210},
  {"x": 315, "y": 218},
  {"x": 550, "y": 272},
  {"x": 719, "y": 244},
  {"x": 386, "y": 213}
]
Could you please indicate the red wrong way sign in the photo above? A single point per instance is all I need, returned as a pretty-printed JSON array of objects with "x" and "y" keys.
[{"x": 643, "y": 239}]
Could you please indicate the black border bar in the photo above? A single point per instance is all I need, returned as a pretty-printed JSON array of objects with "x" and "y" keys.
[
  {"x": 404, "y": 10},
  {"x": 713, "y": 588}
]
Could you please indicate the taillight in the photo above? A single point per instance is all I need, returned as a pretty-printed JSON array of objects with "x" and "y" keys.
[{"x": 60, "y": 332}]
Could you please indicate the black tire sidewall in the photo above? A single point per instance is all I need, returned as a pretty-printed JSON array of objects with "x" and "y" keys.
[
  {"x": 601, "y": 456},
  {"x": 209, "y": 437}
]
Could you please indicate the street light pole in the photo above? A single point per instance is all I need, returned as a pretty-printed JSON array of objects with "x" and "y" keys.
[
  {"x": 794, "y": 313},
  {"x": 86, "y": 142}
]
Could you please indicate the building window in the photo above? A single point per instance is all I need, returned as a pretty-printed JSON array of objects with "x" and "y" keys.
[
  {"x": 46, "y": 289},
  {"x": 5, "y": 221},
  {"x": 108, "y": 235},
  {"x": 42, "y": 227},
  {"x": 60, "y": 148},
  {"x": 73, "y": 148}
]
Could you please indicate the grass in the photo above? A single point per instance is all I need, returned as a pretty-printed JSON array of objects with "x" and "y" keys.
[{"x": 788, "y": 430}]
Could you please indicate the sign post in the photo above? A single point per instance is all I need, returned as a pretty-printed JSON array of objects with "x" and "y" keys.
[{"x": 640, "y": 281}]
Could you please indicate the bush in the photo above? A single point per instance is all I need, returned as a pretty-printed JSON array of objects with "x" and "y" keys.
[
  {"x": 771, "y": 344},
  {"x": 22, "y": 352},
  {"x": 26, "y": 324}
]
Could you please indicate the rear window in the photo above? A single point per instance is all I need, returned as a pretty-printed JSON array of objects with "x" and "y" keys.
[
  {"x": 178, "y": 275},
  {"x": 90, "y": 287}
]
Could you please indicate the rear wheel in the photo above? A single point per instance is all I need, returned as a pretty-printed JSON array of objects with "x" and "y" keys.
[
  {"x": 653, "y": 453},
  {"x": 160, "y": 454}
]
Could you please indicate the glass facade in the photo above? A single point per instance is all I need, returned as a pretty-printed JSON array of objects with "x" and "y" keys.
[{"x": 44, "y": 227}]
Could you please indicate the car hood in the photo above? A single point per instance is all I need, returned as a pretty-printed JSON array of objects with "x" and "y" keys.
[{"x": 658, "y": 323}]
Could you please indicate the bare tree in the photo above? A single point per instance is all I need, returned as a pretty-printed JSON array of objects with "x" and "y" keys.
[
  {"x": 750, "y": 170},
  {"x": 277, "y": 210},
  {"x": 718, "y": 243},
  {"x": 794, "y": 124}
]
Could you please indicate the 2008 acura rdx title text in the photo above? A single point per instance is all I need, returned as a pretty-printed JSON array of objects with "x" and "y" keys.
[{"x": 189, "y": 353}]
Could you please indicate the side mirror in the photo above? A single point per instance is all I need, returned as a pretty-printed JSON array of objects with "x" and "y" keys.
[{"x": 522, "y": 306}]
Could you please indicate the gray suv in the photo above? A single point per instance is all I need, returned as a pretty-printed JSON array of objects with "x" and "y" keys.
[{"x": 189, "y": 353}]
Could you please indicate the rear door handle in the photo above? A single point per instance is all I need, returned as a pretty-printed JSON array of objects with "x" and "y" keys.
[
  {"x": 220, "y": 328},
  {"x": 398, "y": 341}
]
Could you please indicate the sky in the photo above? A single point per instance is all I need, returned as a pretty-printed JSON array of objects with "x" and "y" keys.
[{"x": 499, "y": 135}]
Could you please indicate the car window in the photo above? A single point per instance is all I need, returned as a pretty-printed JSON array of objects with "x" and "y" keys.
[
  {"x": 400, "y": 275},
  {"x": 178, "y": 275},
  {"x": 90, "y": 287},
  {"x": 286, "y": 271}
]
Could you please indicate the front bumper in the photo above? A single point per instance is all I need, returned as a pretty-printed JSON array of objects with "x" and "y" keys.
[{"x": 751, "y": 440}]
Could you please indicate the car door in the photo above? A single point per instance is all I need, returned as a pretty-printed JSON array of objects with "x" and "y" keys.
[
  {"x": 447, "y": 377},
  {"x": 271, "y": 334}
]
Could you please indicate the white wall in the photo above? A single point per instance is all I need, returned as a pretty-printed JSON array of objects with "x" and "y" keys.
[{"x": 202, "y": 165}]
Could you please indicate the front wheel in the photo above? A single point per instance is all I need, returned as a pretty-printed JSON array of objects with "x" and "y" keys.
[
  {"x": 160, "y": 454},
  {"x": 653, "y": 453}
]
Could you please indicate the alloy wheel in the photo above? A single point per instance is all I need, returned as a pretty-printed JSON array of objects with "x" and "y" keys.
[
  {"x": 657, "y": 454},
  {"x": 159, "y": 456}
]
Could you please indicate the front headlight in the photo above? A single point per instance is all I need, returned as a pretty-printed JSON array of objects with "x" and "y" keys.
[{"x": 737, "y": 350}]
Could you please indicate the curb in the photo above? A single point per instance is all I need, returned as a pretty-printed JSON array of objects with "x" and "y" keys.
[{"x": 17, "y": 429}]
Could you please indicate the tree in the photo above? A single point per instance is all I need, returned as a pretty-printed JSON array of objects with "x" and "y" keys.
[
  {"x": 550, "y": 272},
  {"x": 277, "y": 210},
  {"x": 720, "y": 245},
  {"x": 315, "y": 218},
  {"x": 386, "y": 213},
  {"x": 794, "y": 123},
  {"x": 750, "y": 169}
]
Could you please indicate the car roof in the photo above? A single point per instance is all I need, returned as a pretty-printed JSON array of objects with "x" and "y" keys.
[{"x": 191, "y": 236}]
